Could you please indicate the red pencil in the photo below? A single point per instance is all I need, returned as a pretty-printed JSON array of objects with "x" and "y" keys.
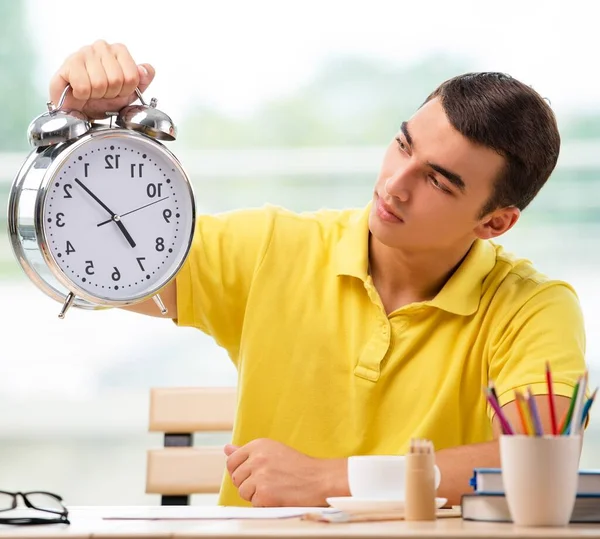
[{"x": 551, "y": 400}]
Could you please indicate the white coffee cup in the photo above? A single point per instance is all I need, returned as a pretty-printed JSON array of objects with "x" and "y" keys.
[{"x": 379, "y": 476}]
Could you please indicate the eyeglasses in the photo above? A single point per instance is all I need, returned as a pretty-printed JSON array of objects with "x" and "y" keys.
[{"x": 39, "y": 500}]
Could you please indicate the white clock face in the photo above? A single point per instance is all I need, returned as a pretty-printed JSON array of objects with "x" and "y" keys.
[{"x": 118, "y": 216}]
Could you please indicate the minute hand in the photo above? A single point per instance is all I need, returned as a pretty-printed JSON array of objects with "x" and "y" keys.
[
  {"x": 133, "y": 211},
  {"x": 114, "y": 216}
]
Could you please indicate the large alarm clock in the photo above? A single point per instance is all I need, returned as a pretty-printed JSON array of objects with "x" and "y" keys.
[{"x": 101, "y": 215}]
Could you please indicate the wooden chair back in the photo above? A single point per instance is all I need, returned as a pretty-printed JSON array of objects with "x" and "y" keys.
[{"x": 180, "y": 469}]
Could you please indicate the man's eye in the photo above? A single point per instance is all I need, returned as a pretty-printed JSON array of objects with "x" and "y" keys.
[
  {"x": 401, "y": 144},
  {"x": 438, "y": 185}
]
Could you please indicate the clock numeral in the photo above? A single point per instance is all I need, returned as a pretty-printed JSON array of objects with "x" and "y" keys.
[
  {"x": 160, "y": 244},
  {"x": 59, "y": 220},
  {"x": 154, "y": 189},
  {"x": 86, "y": 167},
  {"x": 112, "y": 161},
  {"x": 115, "y": 274},
  {"x": 89, "y": 268},
  {"x": 70, "y": 248},
  {"x": 139, "y": 169},
  {"x": 67, "y": 189},
  {"x": 139, "y": 261}
]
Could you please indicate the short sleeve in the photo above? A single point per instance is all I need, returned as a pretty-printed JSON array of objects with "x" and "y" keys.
[
  {"x": 548, "y": 327},
  {"x": 214, "y": 282}
]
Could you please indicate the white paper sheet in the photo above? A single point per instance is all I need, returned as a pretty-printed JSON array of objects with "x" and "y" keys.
[{"x": 208, "y": 512}]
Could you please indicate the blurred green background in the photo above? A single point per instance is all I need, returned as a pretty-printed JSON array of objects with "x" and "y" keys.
[{"x": 75, "y": 392}]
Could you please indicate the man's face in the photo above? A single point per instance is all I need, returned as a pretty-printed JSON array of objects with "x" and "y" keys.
[{"x": 432, "y": 185}]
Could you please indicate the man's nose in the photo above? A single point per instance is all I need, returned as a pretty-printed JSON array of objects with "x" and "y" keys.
[{"x": 400, "y": 184}]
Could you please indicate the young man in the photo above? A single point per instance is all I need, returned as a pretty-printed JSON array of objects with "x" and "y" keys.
[{"x": 355, "y": 330}]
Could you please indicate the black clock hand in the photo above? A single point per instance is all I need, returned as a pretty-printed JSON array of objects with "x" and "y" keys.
[
  {"x": 124, "y": 230},
  {"x": 114, "y": 216},
  {"x": 133, "y": 211}
]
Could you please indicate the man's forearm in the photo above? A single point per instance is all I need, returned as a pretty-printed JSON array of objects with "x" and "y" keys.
[{"x": 457, "y": 463}]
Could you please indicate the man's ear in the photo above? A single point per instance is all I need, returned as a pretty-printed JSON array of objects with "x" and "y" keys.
[{"x": 497, "y": 223}]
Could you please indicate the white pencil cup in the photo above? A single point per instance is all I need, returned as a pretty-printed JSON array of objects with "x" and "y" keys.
[{"x": 540, "y": 475}]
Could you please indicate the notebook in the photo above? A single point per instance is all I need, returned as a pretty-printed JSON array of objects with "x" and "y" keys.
[
  {"x": 493, "y": 508},
  {"x": 489, "y": 481}
]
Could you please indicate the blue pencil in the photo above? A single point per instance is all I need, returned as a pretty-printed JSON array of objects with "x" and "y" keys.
[
  {"x": 587, "y": 406},
  {"x": 535, "y": 416}
]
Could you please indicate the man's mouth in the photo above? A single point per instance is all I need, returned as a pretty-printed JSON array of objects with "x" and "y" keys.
[{"x": 386, "y": 212}]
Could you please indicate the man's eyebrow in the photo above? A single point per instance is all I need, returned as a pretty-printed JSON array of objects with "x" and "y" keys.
[
  {"x": 404, "y": 129},
  {"x": 452, "y": 177}
]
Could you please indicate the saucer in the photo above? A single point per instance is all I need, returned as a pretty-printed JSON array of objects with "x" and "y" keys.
[{"x": 370, "y": 505}]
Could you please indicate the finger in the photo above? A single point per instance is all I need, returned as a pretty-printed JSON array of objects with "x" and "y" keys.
[
  {"x": 241, "y": 474},
  {"x": 236, "y": 459},
  {"x": 147, "y": 73},
  {"x": 114, "y": 75},
  {"x": 72, "y": 72},
  {"x": 57, "y": 85},
  {"x": 131, "y": 77},
  {"x": 97, "y": 75},
  {"x": 247, "y": 489},
  {"x": 229, "y": 449}
]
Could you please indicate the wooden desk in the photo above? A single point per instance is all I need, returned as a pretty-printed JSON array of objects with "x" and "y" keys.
[{"x": 87, "y": 522}]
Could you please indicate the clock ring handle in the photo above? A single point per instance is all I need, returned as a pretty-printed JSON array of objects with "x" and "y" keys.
[
  {"x": 63, "y": 96},
  {"x": 61, "y": 101},
  {"x": 139, "y": 94}
]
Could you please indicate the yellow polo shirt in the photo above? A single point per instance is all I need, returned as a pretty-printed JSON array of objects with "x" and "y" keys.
[{"x": 323, "y": 369}]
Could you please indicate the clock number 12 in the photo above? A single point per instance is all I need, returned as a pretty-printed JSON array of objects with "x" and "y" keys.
[{"x": 112, "y": 161}]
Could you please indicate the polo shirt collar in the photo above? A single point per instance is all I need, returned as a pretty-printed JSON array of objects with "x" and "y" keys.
[
  {"x": 462, "y": 292},
  {"x": 352, "y": 249},
  {"x": 460, "y": 295}
]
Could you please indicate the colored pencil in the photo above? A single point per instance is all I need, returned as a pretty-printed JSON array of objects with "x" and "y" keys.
[
  {"x": 572, "y": 421},
  {"x": 563, "y": 421},
  {"x": 527, "y": 415},
  {"x": 575, "y": 425},
  {"x": 520, "y": 406},
  {"x": 506, "y": 428},
  {"x": 551, "y": 404},
  {"x": 492, "y": 387},
  {"x": 567, "y": 418},
  {"x": 587, "y": 406},
  {"x": 535, "y": 416}
]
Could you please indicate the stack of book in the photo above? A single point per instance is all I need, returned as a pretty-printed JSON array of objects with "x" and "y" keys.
[{"x": 488, "y": 503}]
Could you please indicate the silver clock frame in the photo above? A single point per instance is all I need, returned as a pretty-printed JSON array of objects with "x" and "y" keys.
[{"x": 25, "y": 221}]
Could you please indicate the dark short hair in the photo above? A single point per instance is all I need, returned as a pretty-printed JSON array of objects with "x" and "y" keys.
[{"x": 502, "y": 113}]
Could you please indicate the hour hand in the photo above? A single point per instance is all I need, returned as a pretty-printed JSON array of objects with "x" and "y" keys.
[{"x": 124, "y": 230}]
